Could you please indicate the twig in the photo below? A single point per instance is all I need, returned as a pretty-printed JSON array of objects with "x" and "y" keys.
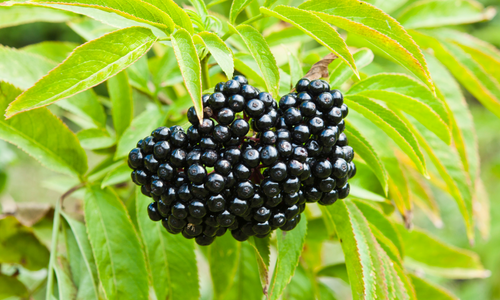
[{"x": 55, "y": 234}]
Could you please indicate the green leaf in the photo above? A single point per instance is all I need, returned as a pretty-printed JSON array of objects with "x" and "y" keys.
[
  {"x": 139, "y": 75},
  {"x": 423, "y": 197},
  {"x": 286, "y": 36},
  {"x": 10, "y": 286},
  {"x": 465, "y": 69},
  {"x": 189, "y": 63},
  {"x": 171, "y": 258},
  {"x": 316, "y": 28},
  {"x": 200, "y": 8},
  {"x": 289, "y": 246},
  {"x": 366, "y": 273},
  {"x": 262, "y": 250},
  {"x": 223, "y": 254},
  {"x": 59, "y": 150},
  {"x": 242, "y": 67},
  {"x": 95, "y": 138},
  {"x": 366, "y": 151},
  {"x": 262, "y": 55},
  {"x": 136, "y": 10},
  {"x": 120, "y": 94},
  {"x": 326, "y": 292},
  {"x": 219, "y": 50},
  {"x": 65, "y": 285},
  {"x": 17, "y": 15},
  {"x": 122, "y": 47},
  {"x": 387, "y": 5},
  {"x": 116, "y": 246},
  {"x": 447, "y": 162},
  {"x": 246, "y": 284},
  {"x": 87, "y": 106},
  {"x": 437, "y": 13},
  {"x": 103, "y": 168},
  {"x": 341, "y": 72},
  {"x": 464, "y": 133},
  {"x": 178, "y": 15},
  {"x": 301, "y": 286},
  {"x": 236, "y": 8},
  {"x": 408, "y": 95},
  {"x": 53, "y": 50},
  {"x": 427, "y": 253},
  {"x": 391, "y": 125},
  {"x": 337, "y": 271},
  {"x": 427, "y": 290},
  {"x": 79, "y": 250},
  {"x": 19, "y": 245},
  {"x": 380, "y": 29},
  {"x": 90, "y": 29},
  {"x": 296, "y": 72},
  {"x": 141, "y": 127},
  {"x": 119, "y": 175},
  {"x": 22, "y": 69},
  {"x": 381, "y": 223}
]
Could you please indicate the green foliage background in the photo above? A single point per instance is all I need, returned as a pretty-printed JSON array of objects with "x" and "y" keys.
[{"x": 29, "y": 191}]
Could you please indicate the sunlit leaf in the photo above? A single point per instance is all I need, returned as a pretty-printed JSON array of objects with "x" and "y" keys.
[
  {"x": 262, "y": 250},
  {"x": 17, "y": 15},
  {"x": 290, "y": 244},
  {"x": 380, "y": 29},
  {"x": 171, "y": 258},
  {"x": 341, "y": 72},
  {"x": 65, "y": 285},
  {"x": 236, "y": 8},
  {"x": 427, "y": 290},
  {"x": 410, "y": 96},
  {"x": 119, "y": 175},
  {"x": 223, "y": 254},
  {"x": 120, "y": 94},
  {"x": 177, "y": 14},
  {"x": 425, "y": 252},
  {"x": 118, "y": 252},
  {"x": 10, "y": 286},
  {"x": 95, "y": 138},
  {"x": 53, "y": 50},
  {"x": 436, "y": 13},
  {"x": 262, "y": 55},
  {"x": 122, "y": 48},
  {"x": 219, "y": 50},
  {"x": 59, "y": 150},
  {"x": 189, "y": 63},
  {"x": 90, "y": 29},
  {"x": 391, "y": 125},
  {"x": 87, "y": 106}
]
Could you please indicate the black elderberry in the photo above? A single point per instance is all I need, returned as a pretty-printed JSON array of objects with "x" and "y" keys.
[
  {"x": 316, "y": 125},
  {"x": 325, "y": 102},
  {"x": 301, "y": 134},
  {"x": 308, "y": 109},
  {"x": 178, "y": 158},
  {"x": 254, "y": 108},
  {"x": 216, "y": 203},
  {"x": 192, "y": 116},
  {"x": 240, "y": 127},
  {"x": 197, "y": 174},
  {"x": 151, "y": 163},
  {"x": 217, "y": 100},
  {"x": 343, "y": 192},
  {"x": 242, "y": 172},
  {"x": 215, "y": 183},
  {"x": 262, "y": 228},
  {"x": 197, "y": 209},
  {"x": 268, "y": 155},
  {"x": 287, "y": 102},
  {"x": 249, "y": 92},
  {"x": 209, "y": 157},
  {"x": 238, "y": 206},
  {"x": 236, "y": 103},
  {"x": 225, "y": 116},
  {"x": 270, "y": 188},
  {"x": 226, "y": 219},
  {"x": 338, "y": 98},
  {"x": 179, "y": 210},
  {"x": 251, "y": 158},
  {"x": 302, "y": 85},
  {"x": 245, "y": 190},
  {"x": 161, "y": 134},
  {"x": 148, "y": 145},
  {"x": 204, "y": 240},
  {"x": 262, "y": 214},
  {"x": 206, "y": 126},
  {"x": 318, "y": 86},
  {"x": 135, "y": 158},
  {"x": 232, "y": 87},
  {"x": 241, "y": 79},
  {"x": 153, "y": 212}
]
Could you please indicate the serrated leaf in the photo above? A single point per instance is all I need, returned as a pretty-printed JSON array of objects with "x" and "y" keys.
[
  {"x": 316, "y": 28},
  {"x": 17, "y": 15},
  {"x": 436, "y": 13},
  {"x": 200, "y": 8},
  {"x": 399, "y": 189},
  {"x": 262, "y": 250},
  {"x": 236, "y": 8},
  {"x": 87, "y": 106},
  {"x": 171, "y": 258},
  {"x": 262, "y": 55},
  {"x": 136, "y": 10},
  {"x": 425, "y": 252},
  {"x": 116, "y": 246},
  {"x": 120, "y": 174},
  {"x": 289, "y": 246},
  {"x": 65, "y": 285},
  {"x": 246, "y": 283},
  {"x": 387, "y": 5},
  {"x": 366, "y": 151},
  {"x": 341, "y": 72},
  {"x": 53, "y": 50},
  {"x": 85, "y": 273},
  {"x": 90, "y": 29},
  {"x": 95, "y": 138},
  {"x": 22, "y": 69},
  {"x": 141, "y": 127},
  {"x": 19, "y": 245},
  {"x": 380, "y": 29},
  {"x": 122, "y": 47},
  {"x": 10, "y": 286},
  {"x": 223, "y": 254},
  {"x": 189, "y": 63},
  {"x": 59, "y": 150},
  {"x": 219, "y": 50},
  {"x": 465, "y": 69},
  {"x": 391, "y": 125},
  {"x": 120, "y": 94},
  {"x": 177, "y": 14},
  {"x": 427, "y": 290},
  {"x": 366, "y": 274},
  {"x": 447, "y": 163},
  {"x": 408, "y": 95},
  {"x": 423, "y": 197}
]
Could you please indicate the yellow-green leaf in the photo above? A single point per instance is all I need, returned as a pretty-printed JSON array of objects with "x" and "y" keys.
[
  {"x": 219, "y": 50},
  {"x": 120, "y": 94},
  {"x": 17, "y": 15}
]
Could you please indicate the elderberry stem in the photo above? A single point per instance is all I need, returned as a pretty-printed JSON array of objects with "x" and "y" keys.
[{"x": 205, "y": 76}]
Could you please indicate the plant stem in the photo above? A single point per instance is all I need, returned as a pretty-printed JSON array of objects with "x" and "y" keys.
[
  {"x": 205, "y": 76},
  {"x": 53, "y": 248}
]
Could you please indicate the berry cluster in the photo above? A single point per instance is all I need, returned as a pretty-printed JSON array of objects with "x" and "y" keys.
[{"x": 250, "y": 165}]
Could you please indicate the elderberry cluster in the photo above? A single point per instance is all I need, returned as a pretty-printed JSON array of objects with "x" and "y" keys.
[{"x": 249, "y": 166}]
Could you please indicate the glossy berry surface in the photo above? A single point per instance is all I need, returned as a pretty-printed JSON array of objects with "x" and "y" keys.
[{"x": 250, "y": 165}]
